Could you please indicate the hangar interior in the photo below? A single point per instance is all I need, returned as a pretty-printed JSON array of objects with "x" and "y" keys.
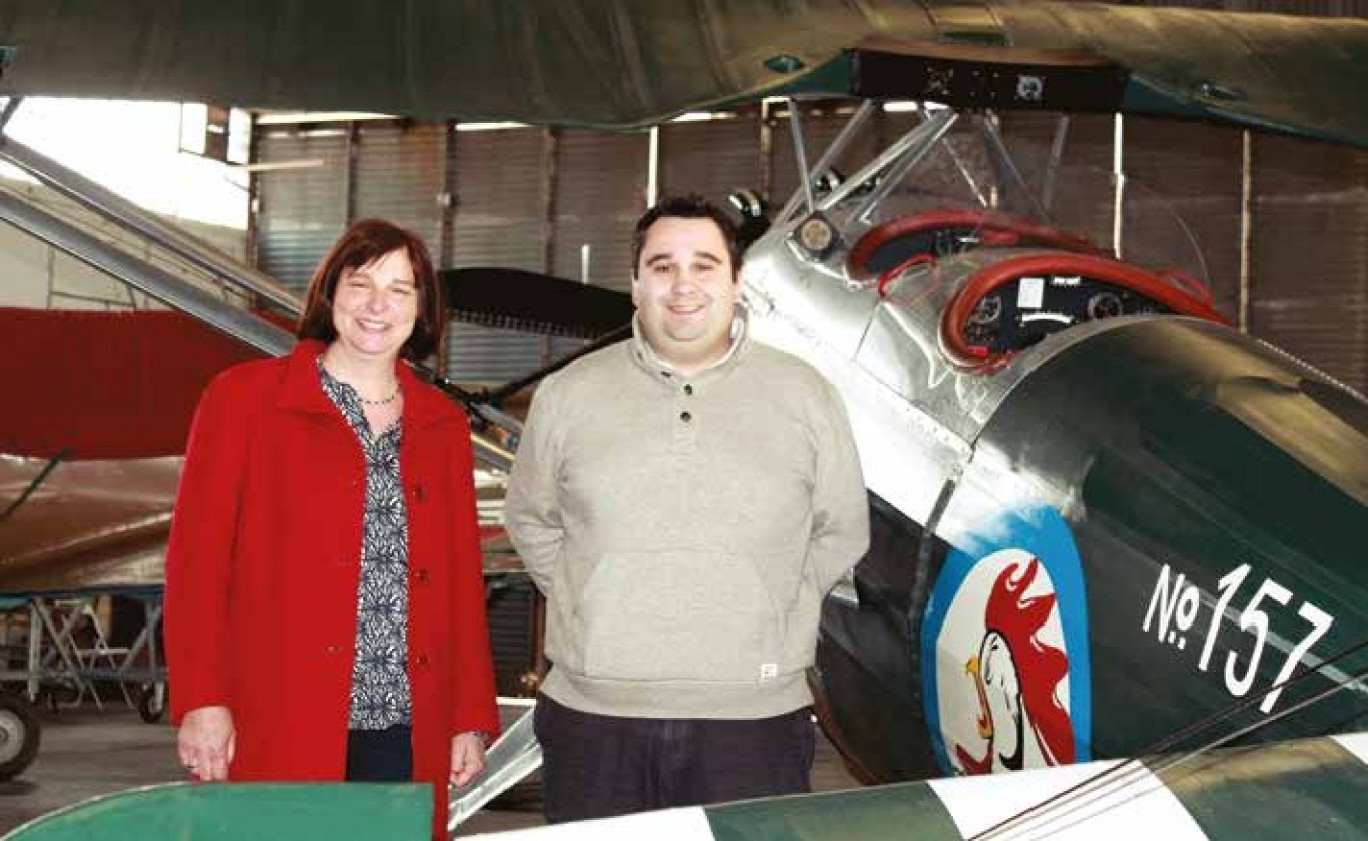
[{"x": 1281, "y": 223}]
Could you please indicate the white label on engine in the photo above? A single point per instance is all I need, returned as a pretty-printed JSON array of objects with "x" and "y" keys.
[{"x": 1030, "y": 293}]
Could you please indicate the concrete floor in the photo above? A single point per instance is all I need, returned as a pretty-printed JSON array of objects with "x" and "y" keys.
[{"x": 86, "y": 753}]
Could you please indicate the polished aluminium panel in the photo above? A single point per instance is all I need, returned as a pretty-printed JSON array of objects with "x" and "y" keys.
[
  {"x": 807, "y": 312},
  {"x": 516, "y": 754},
  {"x": 915, "y": 413},
  {"x": 129, "y": 216},
  {"x": 160, "y": 284}
]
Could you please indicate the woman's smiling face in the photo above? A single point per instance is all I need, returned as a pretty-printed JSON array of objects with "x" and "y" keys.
[{"x": 376, "y": 305}]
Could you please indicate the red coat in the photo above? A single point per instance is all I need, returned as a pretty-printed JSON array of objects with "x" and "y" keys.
[{"x": 263, "y": 566}]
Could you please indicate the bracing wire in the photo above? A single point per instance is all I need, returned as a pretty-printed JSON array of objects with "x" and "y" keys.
[
  {"x": 1108, "y": 782},
  {"x": 33, "y": 485}
]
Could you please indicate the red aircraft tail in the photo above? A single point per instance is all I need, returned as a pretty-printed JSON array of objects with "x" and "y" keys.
[{"x": 105, "y": 385}]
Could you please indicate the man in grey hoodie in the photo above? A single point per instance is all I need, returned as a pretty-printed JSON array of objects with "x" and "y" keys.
[{"x": 684, "y": 500}]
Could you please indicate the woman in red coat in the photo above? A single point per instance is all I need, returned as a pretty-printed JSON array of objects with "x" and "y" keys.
[{"x": 324, "y": 602}]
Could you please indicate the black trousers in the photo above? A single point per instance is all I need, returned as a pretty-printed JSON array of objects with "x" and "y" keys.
[
  {"x": 380, "y": 756},
  {"x": 596, "y": 766}
]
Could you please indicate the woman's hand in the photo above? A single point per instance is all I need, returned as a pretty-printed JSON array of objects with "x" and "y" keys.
[
  {"x": 206, "y": 742},
  {"x": 467, "y": 757}
]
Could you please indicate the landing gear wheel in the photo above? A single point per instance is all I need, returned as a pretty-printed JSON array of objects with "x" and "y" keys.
[
  {"x": 20, "y": 734},
  {"x": 151, "y": 703},
  {"x": 54, "y": 696}
]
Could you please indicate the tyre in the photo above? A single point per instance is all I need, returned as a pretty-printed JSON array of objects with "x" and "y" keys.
[
  {"x": 20, "y": 734},
  {"x": 151, "y": 703},
  {"x": 56, "y": 695}
]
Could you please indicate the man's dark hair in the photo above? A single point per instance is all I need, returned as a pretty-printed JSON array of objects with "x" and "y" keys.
[{"x": 691, "y": 206}]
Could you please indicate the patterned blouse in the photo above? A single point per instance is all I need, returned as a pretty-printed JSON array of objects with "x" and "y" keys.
[{"x": 380, "y": 686}]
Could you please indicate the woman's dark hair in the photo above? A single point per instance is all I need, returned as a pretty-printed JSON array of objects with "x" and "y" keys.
[{"x": 364, "y": 241}]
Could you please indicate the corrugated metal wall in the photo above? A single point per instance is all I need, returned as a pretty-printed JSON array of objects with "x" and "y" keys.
[
  {"x": 1309, "y": 277},
  {"x": 1189, "y": 172},
  {"x": 501, "y": 200},
  {"x": 710, "y": 157},
  {"x": 500, "y": 184},
  {"x": 400, "y": 175},
  {"x": 600, "y": 192},
  {"x": 530, "y": 198},
  {"x": 300, "y": 211}
]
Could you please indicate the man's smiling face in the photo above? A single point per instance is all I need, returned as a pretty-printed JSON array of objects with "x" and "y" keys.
[{"x": 685, "y": 292}]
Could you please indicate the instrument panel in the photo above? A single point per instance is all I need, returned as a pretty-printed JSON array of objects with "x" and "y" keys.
[{"x": 1025, "y": 310}]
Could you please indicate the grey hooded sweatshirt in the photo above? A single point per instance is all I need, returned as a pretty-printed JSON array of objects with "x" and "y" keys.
[{"x": 684, "y": 530}]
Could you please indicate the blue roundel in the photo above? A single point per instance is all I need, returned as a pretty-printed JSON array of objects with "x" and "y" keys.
[{"x": 1005, "y": 665}]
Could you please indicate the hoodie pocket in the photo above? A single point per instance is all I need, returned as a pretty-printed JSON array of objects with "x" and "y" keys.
[{"x": 679, "y": 616}]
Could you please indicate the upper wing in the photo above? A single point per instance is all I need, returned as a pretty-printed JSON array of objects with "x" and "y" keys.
[{"x": 619, "y": 63}]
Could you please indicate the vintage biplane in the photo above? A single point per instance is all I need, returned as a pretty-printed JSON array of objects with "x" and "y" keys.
[{"x": 1106, "y": 524}]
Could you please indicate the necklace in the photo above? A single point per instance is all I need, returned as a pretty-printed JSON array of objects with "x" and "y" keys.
[
  {"x": 383, "y": 402},
  {"x": 393, "y": 395}
]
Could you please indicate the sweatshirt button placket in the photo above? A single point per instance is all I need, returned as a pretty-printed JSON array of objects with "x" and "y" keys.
[{"x": 684, "y": 425}]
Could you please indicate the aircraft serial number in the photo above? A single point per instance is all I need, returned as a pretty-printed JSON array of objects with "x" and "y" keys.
[{"x": 1173, "y": 613}]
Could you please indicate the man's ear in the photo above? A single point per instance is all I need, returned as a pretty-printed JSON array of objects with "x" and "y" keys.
[{"x": 636, "y": 288}]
